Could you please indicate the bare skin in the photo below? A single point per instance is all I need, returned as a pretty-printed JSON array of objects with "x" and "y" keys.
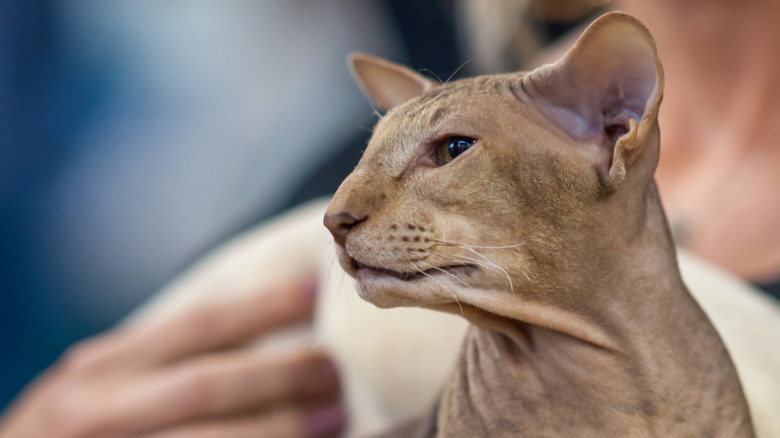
[
  {"x": 546, "y": 232},
  {"x": 187, "y": 377},
  {"x": 720, "y": 167}
]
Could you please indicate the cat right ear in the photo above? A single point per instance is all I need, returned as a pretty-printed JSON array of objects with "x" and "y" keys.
[
  {"x": 387, "y": 84},
  {"x": 605, "y": 92}
]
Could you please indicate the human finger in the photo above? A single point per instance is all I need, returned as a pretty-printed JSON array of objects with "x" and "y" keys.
[
  {"x": 219, "y": 326},
  {"x": 220, "y": 385},
  {"x": 322, "y": 422}
]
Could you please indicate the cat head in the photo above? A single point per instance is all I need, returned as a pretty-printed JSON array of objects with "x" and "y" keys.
[{"x": 483, "y": 192}]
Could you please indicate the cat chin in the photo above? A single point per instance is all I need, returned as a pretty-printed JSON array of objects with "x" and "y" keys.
[{"x": 386, "y": 290}]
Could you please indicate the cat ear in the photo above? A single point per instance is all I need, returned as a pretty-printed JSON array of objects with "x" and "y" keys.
[
  {"x": 604, "y": 93},
  {"x": 387, "y": 84}
]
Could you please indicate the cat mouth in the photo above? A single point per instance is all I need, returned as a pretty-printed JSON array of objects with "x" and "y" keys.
[{"x": 362, "y": 269}]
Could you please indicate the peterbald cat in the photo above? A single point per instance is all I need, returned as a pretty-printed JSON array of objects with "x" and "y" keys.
[{"x": 525, "y": 202}]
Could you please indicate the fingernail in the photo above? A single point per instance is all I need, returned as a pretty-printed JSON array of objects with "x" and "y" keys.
[{"x": 326, "y": 422}]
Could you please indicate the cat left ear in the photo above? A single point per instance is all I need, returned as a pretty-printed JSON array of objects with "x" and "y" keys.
[
  {"x": 387, "y": 84},
  {"x": 605, "y": 93}
]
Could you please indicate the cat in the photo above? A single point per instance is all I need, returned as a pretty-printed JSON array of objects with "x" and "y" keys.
[{"x": 525, "y": 202}]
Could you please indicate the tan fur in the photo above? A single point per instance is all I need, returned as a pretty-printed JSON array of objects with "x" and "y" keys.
[{"x": 549, "y": 237}]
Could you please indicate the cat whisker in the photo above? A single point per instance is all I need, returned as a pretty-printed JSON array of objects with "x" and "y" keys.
[
  {"x": 457, "y": 70},
  {"x": 492, "y": 263},
  {"x": 467, "y": 245},
  {"x": 442, "y": 284},
  {"x": 473, "y": 248},
  {"x": 485, "y": 263},
  {"x": 433, "y": 74},
  {"x": 463, "y": 259},
  {"x": 447, "y": 273},
  {"x": 375, "y": 112},
  {"x": 488, "y": 264}
]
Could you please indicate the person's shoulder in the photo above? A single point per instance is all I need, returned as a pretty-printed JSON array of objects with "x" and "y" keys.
[{"x": 748, "y": 320}]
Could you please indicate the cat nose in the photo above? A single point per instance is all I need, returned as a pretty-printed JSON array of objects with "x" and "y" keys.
[{"x": 339, "y": 225}]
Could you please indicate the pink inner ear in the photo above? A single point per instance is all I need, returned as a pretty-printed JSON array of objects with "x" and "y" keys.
[
  {"x": 628, "y": 99},
  {"x": 599, "y": 104},
  {"x": 608, "y": 78}
]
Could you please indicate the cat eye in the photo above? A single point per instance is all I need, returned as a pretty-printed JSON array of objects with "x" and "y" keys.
[{"x": 451, "y": 147}]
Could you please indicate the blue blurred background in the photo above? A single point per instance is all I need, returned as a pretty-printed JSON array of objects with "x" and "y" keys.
[{"x": 136, "y": 135}]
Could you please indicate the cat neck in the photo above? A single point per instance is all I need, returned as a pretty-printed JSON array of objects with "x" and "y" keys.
[{"x": 661, "y": 369}]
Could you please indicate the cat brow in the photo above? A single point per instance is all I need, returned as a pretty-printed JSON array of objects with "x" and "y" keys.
[{"x": 437, "y": 115}]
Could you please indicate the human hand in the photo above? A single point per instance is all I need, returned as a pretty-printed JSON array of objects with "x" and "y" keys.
[{"x": 187, "y": 376}]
